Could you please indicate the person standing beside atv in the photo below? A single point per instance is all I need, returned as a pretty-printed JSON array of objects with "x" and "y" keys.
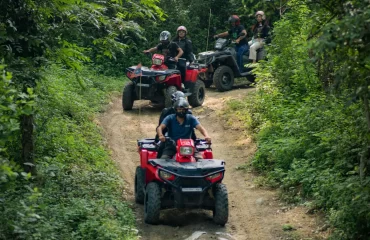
[
  {"x": 260, "y": 32},
  {"x": 187, "y": 46},
  {"x": 239, "y": 34},
  {"x": 180, "y": 126},
  {"x": 184, "y": 43},
  {"x": 168, "y": 49}
]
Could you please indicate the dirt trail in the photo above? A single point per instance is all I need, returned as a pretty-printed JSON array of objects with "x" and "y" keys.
[{"x": 254, "y": 213}]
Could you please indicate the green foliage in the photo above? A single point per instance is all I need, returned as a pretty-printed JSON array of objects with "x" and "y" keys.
[
  {"x": 12, "y": 105},
  {"x": 69, "y": 32},
  {"x": 77, "y": 193},
  {"x": 311, "y": 129}
]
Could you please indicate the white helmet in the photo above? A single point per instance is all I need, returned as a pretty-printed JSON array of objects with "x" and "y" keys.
[
  {"x": 183, "y": 28},
  {"x": 165, "y": 36},
  {"x": 260, "y": 13}
]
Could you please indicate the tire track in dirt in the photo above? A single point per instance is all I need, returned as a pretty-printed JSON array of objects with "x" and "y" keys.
[{"x": 254, "y": 213}]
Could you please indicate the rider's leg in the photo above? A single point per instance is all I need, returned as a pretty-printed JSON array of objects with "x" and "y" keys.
[
  {"x": 253, "y": 51},
  {"x": 181, "y": 66},
  {"x": 198, "y": 155},
  {"x": 169, "y": 150},
  {"x": 239, "y": 55}
]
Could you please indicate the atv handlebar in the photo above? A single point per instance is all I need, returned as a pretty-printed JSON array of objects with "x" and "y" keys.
[{"x": 198, "y": 141}]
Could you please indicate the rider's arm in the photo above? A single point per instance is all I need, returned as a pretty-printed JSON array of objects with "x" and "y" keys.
[
  {"x": 180, "y": 53},
  {"x": 203, "y": 131},
  {"x": 221, "y": 35},
  {"x": 162, "y": 126},
  {"x": 241, "y": 35},
  {"x": 160, "y": 131},
  {"x": 151, "y": 49},
  {"x": 189, "y": 46}
]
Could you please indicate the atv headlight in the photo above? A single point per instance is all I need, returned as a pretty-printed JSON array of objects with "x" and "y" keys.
[
  {"x": 161, "y": 78},
  {"x": 186, "y": 151},
  {"x": 166, "y": 175},
  {"x": 157, "y": 61}
]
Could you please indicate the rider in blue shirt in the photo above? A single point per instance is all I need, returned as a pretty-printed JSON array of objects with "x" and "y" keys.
[{"x": 180, "y": 126}]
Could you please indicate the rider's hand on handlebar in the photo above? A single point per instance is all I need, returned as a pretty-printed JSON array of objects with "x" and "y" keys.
[
  {"x": 176, "y": 59},
  {"x": 162, "y": 138},
  {"x": 208, "y": 139},
  {"x": 146, "y": 51},
  {"x": 215, "y": 36},
  {"x": 237, "y": 41}
]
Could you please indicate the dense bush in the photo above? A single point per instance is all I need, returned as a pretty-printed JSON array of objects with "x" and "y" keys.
[
  {"x": 309, "y": 124},
  {"x": 77, "y": 193}
]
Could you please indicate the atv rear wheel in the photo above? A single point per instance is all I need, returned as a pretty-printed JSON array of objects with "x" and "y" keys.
[
  {"x": 198, "y": 94},
  {"x": 168, "y": 98},
  {"x": 139, "y": 185},
  {"x": 152, "y": 203},
  {"x": 221, "y": 210},
  {"x": 128, "y": 96},
  {"x": 223, "y": 78}
]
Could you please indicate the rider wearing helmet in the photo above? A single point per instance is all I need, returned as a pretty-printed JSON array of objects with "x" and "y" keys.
[
  {"x": 260, "y": 32},
  {"x": 168, "y": 49},
  {"x": 171, "y": 110},
  {"x": 180, "y": 125},
  {"x": 184, "y": 43},
  {"x": 239, "y": 34}
]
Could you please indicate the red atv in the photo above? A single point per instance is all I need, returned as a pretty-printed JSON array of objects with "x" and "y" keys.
[
  {"x": 181, "y": 182},
  {"x": 158, "y": 83}
]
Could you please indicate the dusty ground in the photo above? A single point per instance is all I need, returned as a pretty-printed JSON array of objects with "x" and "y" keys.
[{"x": 255, "y": 213}]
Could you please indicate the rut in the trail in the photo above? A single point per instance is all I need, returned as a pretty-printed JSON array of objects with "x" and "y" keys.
[{"x": 254, "y": 213}]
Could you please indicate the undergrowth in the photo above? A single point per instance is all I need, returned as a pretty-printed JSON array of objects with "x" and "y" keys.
[{"x": 77, "y": 192}]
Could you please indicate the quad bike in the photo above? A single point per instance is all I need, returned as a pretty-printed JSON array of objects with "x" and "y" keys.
[
  {"x": 181, "y": 182},
  {"x": 222, "y": 65},
  {"x": 158, "y": 83}
]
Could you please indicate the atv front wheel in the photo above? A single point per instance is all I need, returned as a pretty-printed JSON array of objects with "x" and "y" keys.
[
  {"x": 152, "y": 203},
  {"x": 221, "y": 210},
  {"x": 128, "y": 96},
  {"x": 198, "y": 94},
  {"x": 223, "y": 78},
  {"x": 168, "y": 98},
  {"x": 139, "y": 185}
]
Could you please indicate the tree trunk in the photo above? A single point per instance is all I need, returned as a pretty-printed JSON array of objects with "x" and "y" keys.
[{"x": 27, "y": 144}]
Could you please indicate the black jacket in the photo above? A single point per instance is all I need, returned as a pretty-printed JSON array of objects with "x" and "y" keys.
[
  {"x": 187, "y": 46},
  {"x": 263, "y": 33}
]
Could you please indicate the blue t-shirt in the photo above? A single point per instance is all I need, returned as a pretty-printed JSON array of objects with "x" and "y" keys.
[{"x": 177, "y": 131}]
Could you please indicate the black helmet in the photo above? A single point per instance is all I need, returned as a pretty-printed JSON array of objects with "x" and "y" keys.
[
  {"x": 165, "y": 36},
  {"x": 176, "y": 95},
  {"x": 181, "y": 103}
]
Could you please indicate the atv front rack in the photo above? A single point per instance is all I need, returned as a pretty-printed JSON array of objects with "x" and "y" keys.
[
  {"x": 152, "y": 145},
  {"x": 148, "y": 143}
]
